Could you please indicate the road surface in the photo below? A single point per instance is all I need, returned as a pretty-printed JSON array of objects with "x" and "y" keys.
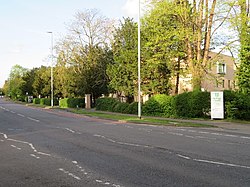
[{"x": 42, "y": 147}]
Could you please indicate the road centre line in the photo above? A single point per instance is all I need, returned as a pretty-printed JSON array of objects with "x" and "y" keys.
[
  {"x": 21, "y": 115},
  {"x": 32, "y": 119}
]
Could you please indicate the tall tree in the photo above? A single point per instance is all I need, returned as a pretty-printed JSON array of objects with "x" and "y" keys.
[
  {"x": 163, "y": 48},
  {"x": 85, "y": 51},
  {"x": 243, "y": 74},
  {"x": 123, "y": 71}
]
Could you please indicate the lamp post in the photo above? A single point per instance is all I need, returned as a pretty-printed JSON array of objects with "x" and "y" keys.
[
  {"x": 139, "y": 60},
  {"x": 51, "y": 70}
]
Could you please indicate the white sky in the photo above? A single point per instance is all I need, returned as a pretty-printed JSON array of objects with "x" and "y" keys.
[{"x": 24, "y": 23}]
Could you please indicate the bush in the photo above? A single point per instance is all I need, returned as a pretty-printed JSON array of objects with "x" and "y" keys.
[
  {"x": 106, "y": 104},
  {"x": 238, "y": 107},
  {"x": 36, "y": 101},
  {"x": 194, "y": 104},
  {"x": 72, "y": 103},
  {"x": 159, "y": 105},
  {"x": 45, "y": 101},
  {"x": 132, "y": 108},
  {"x": 121, "y": 107}
]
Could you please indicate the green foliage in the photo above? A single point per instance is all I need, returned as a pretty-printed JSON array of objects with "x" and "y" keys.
[
  {"x": 121, "y": 107},
  {"x": 45, "y": 101},
  {"x": 123, "y": 71},
  {"x": 194, "y": 104},
  {"x": 238, "y": 107},
  {"x": 36, "y": 101},
  {"x": 132, "y": 108},
  {"x": 106, "y": 103},
  {"x": 113, "y": 105},
  {"x": 159, "y": 105},
  {"x": 72, "y": 103}
]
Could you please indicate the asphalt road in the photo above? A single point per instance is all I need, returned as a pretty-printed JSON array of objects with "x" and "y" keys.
[{"x": 40, "y": 147}]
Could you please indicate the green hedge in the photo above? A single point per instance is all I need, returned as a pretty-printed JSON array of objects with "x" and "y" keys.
[
  {"x": 106, "y": 104},
  {"x": 72, "y": 103},
  {"x": 45, "y": 101},
  {"x": 36, "y": 101},
  {"x": 194, "y": 104},
  {"x": 159, "y": 105},
  {"x": 113, "y": 105},
  {"x": 238, "y": 107}
]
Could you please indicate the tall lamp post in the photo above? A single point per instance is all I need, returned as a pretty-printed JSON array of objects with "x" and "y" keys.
[
  {"x": 51, "y": 70},
  {"x": 139, "y": 60}
]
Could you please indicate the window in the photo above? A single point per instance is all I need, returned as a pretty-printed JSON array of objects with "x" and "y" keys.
[
  {"x": 221, "y": 68},
  {"x": 229, "y": 85}
]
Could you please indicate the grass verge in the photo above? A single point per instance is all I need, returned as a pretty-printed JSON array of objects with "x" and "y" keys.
[{"x": 135, "y": 119}]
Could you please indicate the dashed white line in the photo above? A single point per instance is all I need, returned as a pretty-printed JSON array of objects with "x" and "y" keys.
[
  {"x": 31, "y": 145},
  {"x": 69, "y": 174},
  {"x": 121, "y": 143},
  {"x": 182, "y": 156},
  {"x": 16, "y": 147},
  {"x": 37, "y": 157},
  {"x": 221, "y": 163},
  {"x": 21, "y": 115},
  {"x": 32, "y": 119},
  {"x": 12, "y": 112}
]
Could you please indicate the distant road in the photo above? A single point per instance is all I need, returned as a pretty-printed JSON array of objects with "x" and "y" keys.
[{"x": 41, "y": 147}]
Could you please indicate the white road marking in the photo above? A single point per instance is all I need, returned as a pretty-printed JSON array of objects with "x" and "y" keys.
[
  {"x": 4, "y": 135},
  {"x": 37, "y": 157},
  {"x": 21, "y": 115},
  {"x": 2, "y": 140},
  {"x": 177, "y": 134},
  {"x": 32, "y": 119},
  {"x": 121, "y": 143},
  {"x": 16, "y": 147},
  {"x": 221, "y": 163},
  {"x": 185, "y": 157},
  {"x": 74, "y": 162},
  {"x": 31, "y": 145},
  {"x": 69, "y": 174},
  {"x": 70, "y": 130},
  {"x": 12, "y": 112}
]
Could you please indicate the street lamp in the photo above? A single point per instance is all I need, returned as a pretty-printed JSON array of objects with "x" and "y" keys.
[
  {"x": 139, "y": 60},
  {"x": 51, "y": 69}
]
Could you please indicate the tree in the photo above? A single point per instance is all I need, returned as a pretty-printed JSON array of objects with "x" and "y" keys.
[
  {"x": 85, "y": 53},
  {"x": 123, "y": 71},
  {"x": 16, "y": 82},
  {"x": 41, "y": 84},
  {"x": 163, "y": 48},
  {"x": 243, "y": 73}
]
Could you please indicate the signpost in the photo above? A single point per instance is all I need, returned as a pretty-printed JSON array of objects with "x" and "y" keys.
[{"x": 217, "y": 105}]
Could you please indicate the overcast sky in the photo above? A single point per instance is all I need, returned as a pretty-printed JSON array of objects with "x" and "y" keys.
[{"x": 24, "y": 24}]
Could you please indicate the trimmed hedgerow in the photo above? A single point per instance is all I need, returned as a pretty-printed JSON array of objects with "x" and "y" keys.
[
  {"x": 72, "y": 103},
  {"x": 238, "y": 107},
  {"x": 36, "y": 101},
  {"x": 159, "y": 105},
  {"x": 194, "y": 104},
  {"x": 45, "y": 101},
  {"x": 106, "y": 104}
]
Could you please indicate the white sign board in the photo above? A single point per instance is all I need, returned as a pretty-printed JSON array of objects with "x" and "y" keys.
[{"x": 217, "y": 105}]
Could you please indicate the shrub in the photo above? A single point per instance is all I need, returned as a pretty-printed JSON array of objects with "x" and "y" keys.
[
  {"x": 194, "y": 104},
  {"x": 72, "y": 103},
  {"x": 239, "y": 107},
  {"x": 45, "y": 101},
  {"x": 121, "y": 107},
  {"x": 36, "y": 101},
  {"x": 106, "y": 103},
  {"x": 132, "y": 108},
  {"x": 158, "y": 105}
]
